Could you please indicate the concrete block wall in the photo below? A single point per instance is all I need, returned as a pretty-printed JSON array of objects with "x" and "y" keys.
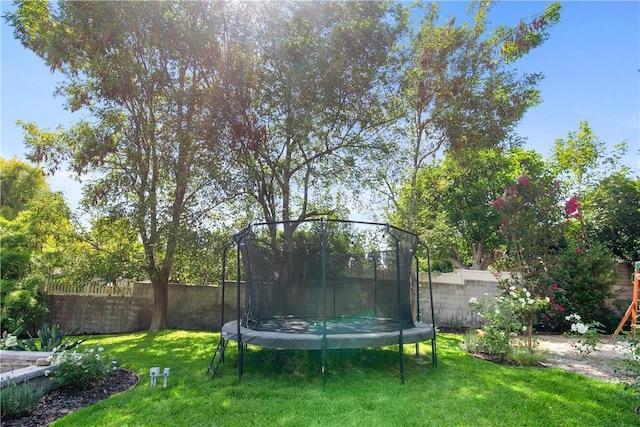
[
  {"x": 199, "y": 307},
  {"x": 190, "y": 307},
  {"x": 99, "y": 314},
  {"x": 451, "y": 294}
]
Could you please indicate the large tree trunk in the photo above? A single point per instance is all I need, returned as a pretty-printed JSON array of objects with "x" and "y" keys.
[{"x": 160, "y": 305}]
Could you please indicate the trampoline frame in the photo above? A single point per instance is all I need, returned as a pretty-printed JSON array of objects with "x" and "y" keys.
[{"x": 234, "y": 331}]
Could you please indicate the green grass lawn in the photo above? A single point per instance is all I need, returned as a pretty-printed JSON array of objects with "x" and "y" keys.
[{"x": 284, "y": 388}]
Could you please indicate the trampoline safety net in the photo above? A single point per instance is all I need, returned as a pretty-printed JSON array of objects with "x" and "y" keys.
[{"x": 354, "y": 276}]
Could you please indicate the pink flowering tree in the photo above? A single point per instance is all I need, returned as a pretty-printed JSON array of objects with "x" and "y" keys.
[{"x": 533, "y": 225}]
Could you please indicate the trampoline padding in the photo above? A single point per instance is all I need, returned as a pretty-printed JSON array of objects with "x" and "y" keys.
[{"x": 313, "y": 341}]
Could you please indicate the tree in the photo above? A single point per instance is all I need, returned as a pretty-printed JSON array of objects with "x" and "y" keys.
[
  {"x": 20, "y": 183},
  {"x": 612, "y": 215},
  {"x": 609, "y": 197},
  {"x": 582, "y": 159},
  {"x": 312, "y": 103},
  {"x": 33, "y": 221},
  {"x": 459, "y": 90},
  {"x": 453, "y": 196},
  {"x": 148, "y": 75},
  {"x": 108, "y": 252}
]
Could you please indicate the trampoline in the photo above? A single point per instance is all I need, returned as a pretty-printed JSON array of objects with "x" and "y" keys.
[{"x": 324, "y": 285}]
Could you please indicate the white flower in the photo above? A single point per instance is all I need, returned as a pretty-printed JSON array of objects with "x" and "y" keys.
[
  {"x": 497, "y": 311},
  {"x": 11, "y": 341},
  {"x": 473, "y": 300},
  {"x": 524, "y": 328},
  {"x": 547, "y": 299},
  {"x": 528, "y": 294},
  {"x": 524, "y": 289},
  {"x": 100, "y": 348},
  {"x": 573, "y": 317},
  {"x": 512, "y": 288},
  {"x": 582, "y": 328},
  {"x": 47, "y": 373}
]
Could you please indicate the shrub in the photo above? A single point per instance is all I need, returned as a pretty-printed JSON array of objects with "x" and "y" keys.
[
  {"x": 471, "y": 342},
  {"x": 585, "y": 273},
  {"x": 78, "y": 369},
  {"x": 18, "y": 400},
  {"x": 498, "y": 321},
  {"x": 9, "y": 341},
  {"x": 631, "y": 363},
  {"x": 525, "y": 357},
  {"x": 589, "y": 333},
  {"x": 23, "y": 304},
  {"x": 50, "y": 339},
  {"x": 506, "y": 316}
]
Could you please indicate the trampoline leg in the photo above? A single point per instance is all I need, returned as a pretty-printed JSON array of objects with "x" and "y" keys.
[
  {"x": 240, "y": 360},
  {"x": 434, "y": 357}
]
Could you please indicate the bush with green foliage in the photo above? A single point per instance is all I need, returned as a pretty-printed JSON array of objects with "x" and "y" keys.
[
  {"x": 49, "y": 339},
  {"x": 23, "y": 304},
  {"x": 585, "y": 273},
  {"x": 79, "y": 368},
  {"x": 52, "y": 339},
  {"x": 508, "y": 315},
  {"x": 18, "y": 400}
]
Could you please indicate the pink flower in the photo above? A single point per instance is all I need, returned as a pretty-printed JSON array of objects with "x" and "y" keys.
[
  {"x": 521, "y": 250},
  {"x": 524, "y": 180},
  {"x": 554, "y": 286},
  {"x": 498, "y": 203},
  {"x": 571, "y": 206},
  {"x": 579, "y": 250}
]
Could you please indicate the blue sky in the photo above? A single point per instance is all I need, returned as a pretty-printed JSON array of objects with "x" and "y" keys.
[{"x": 591, "y": 66}]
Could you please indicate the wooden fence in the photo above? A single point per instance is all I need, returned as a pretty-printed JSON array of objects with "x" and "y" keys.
[{"x": 123, "y": 287}]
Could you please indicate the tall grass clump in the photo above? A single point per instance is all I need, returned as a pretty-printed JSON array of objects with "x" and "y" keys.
[{"x": 18, "y": 400}]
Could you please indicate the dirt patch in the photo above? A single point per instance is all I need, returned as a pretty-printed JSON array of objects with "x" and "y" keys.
[{"x": 603, "y": 364}]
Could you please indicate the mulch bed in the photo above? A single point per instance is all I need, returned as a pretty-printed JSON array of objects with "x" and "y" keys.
[{"x": 63, "y": 401}]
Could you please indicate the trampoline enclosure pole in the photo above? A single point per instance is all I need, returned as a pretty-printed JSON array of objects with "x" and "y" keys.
[
  {"x": 399, "y": 298},
  {"x": 224, "y": 278},
  {"x": 240, "y": 346},
  {"x": 434, "y": 357},
  {"x": 418, "y": 304},
  {"x": 324, "y": 308}
]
